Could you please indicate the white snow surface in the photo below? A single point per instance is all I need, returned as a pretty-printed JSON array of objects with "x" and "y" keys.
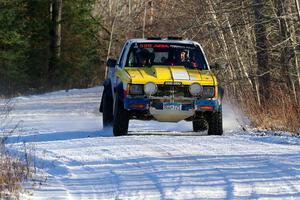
[{"x": 155, "y": 161}]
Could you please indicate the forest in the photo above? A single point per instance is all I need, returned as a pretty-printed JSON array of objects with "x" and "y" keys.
[{"x": 47, "y": 45}]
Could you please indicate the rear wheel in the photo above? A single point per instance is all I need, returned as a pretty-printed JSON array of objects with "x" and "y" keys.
[
  {"x": 215, "y": 125},
  {"x": 200, "y": 125},
  {"x": 107, "y": 109},
  {"x": 121, "y": 119}
]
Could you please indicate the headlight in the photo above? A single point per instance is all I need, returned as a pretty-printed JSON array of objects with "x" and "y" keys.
[
  {"x": 136, "y": 89},
  {"x": 208, "y": 92},
  {"x": 150, "y": 88},
  {"x": 195, "y": 89}
]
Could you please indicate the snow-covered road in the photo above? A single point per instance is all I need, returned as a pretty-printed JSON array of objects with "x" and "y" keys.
[{"x": 156, "y": 161}]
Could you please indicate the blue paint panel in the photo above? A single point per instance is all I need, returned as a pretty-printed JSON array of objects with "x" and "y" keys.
[
  {"x": 146, "y": 102},
  {"x": 131, "y": 101},
  {"x": 203, "y": 102},
  {"x": 187, "y": 107},
  {"x": 158, "y": 106}
]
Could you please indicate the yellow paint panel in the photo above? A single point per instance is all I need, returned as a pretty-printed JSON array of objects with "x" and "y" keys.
[
  {"x": 162, "y": 74},
  {"x": 123, "y": 76}
]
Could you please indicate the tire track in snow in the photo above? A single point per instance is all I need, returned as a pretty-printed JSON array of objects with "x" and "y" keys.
[
  {"x": 167, "y": 150},
  {"x": 140, "y": 166},
  {"x": 196, "y": 160}
]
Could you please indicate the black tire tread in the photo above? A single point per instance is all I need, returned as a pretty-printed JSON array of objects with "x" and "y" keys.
[
  {"x": 107, "y": 117},
  {"x": 215, "y": 125},
  {"x": 200, "y": 125},
  {"x": 121, "y": 119}
]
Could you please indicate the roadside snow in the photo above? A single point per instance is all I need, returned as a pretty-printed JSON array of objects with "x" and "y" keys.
[{"x": 156, "y": 161}]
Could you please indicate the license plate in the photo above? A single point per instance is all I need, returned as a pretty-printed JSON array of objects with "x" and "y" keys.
[{"x": 172, "y": 106}]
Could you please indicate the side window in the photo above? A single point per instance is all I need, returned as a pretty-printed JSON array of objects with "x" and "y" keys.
[
  {"x": 131, "y": 59},
  {"x": 122, "y": 55},
  {"x": 201, "y": 58}
]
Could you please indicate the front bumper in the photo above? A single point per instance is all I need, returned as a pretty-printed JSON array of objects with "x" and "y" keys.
[{"x": 200, "y": 105}]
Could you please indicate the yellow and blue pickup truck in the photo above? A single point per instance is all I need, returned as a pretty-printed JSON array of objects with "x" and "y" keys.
[{"x": 163, "y": 79}]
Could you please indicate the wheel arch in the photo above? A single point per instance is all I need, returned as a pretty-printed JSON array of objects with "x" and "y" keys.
[{"x": 106, "y": 88}]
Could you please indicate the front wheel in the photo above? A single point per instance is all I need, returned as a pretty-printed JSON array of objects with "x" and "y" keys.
[
  {"x": 121, "y": 119},
  {"x": 199, "y": 125},
  {"x": 215, "y": 125}
]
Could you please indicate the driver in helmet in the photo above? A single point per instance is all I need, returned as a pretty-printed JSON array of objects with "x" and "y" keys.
[{"x": 142, "y": 57}]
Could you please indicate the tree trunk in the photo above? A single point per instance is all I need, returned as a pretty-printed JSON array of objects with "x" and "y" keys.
[
  {"x": 285, "y": 40},
  {"x": 112, "y": 32},
  {"x": 295, "y": 43},
  {"x": 223, "y": 45},
  {"x": 151, "y": 18},
  {"x": 293, "y": 52},
  {"x": 239, "y": 56},
  {"x": 263, "y": 70},
  {"x": 144, "y": 19},
  {"x": 55, "y": 37},
  {"x": 251, "y": 44},
  {"x": 298, "y": 8}
]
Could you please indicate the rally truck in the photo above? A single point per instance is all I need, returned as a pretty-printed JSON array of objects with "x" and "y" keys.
[{"x": 162, "y": 79}]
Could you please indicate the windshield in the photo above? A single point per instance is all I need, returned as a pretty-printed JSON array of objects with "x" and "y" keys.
[{"x": 148, "y": 54}]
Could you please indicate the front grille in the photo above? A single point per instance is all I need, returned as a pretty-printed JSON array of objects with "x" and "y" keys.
[{"x": 173, "y": 90}]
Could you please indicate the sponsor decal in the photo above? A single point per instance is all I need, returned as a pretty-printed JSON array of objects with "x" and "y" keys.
[
  {"x": 180, "y": 75},
  {"x": 159, "y": 46}
]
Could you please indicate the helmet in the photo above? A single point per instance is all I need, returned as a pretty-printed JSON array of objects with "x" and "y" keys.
[
  {"x": 142, "y": 53},
  {"x": 142, "y": 56}
]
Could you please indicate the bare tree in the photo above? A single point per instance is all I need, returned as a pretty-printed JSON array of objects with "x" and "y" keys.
[
  {"x": 263, "y": 69},
  {"x": 55, "y": 35},
  {"x": 298, "y": 9}
]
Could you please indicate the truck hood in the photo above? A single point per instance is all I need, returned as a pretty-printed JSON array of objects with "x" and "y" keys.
[{"x": 162, "y": 74}]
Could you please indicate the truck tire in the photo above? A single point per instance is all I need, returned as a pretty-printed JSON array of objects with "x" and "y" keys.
[
  {"x": 107, "y": 115},
  {"x": 215, "y": 125},
  {"x": 121, "y": 119},
  {"x": 199, "y": 125}
]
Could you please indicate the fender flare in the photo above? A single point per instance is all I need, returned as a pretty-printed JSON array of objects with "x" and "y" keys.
[
  {"x": 120, "y": 92},
  {"x": 106, "y": 88}
]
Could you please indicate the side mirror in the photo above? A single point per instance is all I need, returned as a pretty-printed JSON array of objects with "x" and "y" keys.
[{"x": 111, "y": 63}]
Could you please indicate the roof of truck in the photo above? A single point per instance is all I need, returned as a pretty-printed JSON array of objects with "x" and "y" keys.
[{"x": 162, "y": 40}]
